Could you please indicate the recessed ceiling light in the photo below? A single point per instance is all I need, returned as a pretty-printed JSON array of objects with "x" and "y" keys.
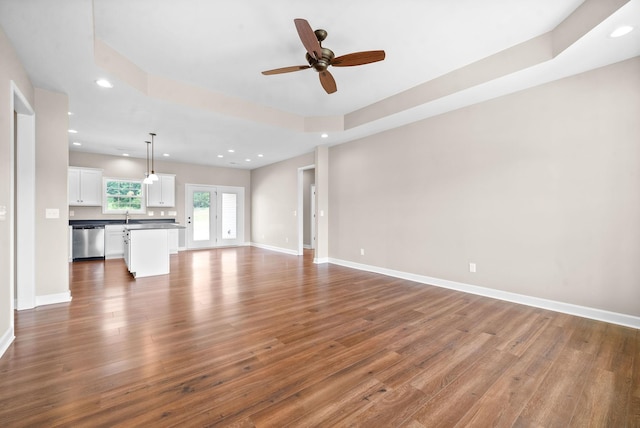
[
  {"x": 621, "y": 31},
  {"x": 325, "y": 135},
  {"x": 73, "y": 131},
  {"x": 220, "y": 156},
  {"x": 231, "y": 151},
  {"x": 248, "y": 160},
  {"x": 166, "y": 155},
  {"x": 104, "y": 83},
  {"x": 260, "y": 155},
  {"x": 75, "y": 143},
  {"x": 69, "y": 113},
  {"x": 125, "y": 154}
]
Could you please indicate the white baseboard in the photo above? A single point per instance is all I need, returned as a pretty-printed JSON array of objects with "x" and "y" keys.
[
  {"x": 552, "y": 305},
  {"x": 6, "y": 340},
  {"x": 322, "y": 260},
  {"x": 52, "y": 299},
  {"x": 278, "y": 249}
]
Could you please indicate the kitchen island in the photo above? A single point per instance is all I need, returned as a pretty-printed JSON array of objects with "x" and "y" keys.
[{"x": 146, "y": 248}]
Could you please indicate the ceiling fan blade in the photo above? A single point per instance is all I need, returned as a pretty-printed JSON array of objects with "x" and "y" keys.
[
  {"x": 286, "y": 69},
  {"x": 308, "y": 38},
  {"x": 328, "y": 82},
  {"x": 358, "y": 58}
]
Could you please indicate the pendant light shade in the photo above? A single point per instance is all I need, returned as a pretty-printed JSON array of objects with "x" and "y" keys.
[{"x": 152, "y": 176}]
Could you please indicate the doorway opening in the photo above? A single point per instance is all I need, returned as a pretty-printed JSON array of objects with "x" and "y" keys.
[
  {"x": 22, "y": 203},
  {"x": 306, "y": 209}
]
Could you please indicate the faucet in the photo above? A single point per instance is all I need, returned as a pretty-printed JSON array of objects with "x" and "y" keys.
[{"x": 126, "y": 217}]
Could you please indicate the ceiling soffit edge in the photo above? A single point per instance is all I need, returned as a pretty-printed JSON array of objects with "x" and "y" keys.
[
  {"x": 524, "y": 55},
  {"x": 517, "y": 58}
]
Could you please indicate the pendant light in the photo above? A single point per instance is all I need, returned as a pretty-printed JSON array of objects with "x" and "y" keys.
[
  {"x": 147, "y": 179},
  {"x": 152, "y": 176}
]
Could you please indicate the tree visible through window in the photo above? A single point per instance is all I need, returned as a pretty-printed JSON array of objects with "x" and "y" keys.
[{"x": 122, "y": 195}]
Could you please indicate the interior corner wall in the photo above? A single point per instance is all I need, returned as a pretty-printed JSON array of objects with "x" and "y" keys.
[
  {"x": 10, "y": 70},
  {"x": 274, "y": 202},
  {"x": 540, "y": 189},
  {"x": 52, "y": 159}
]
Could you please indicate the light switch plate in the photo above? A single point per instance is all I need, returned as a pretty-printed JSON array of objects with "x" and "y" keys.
[{"x": 52, "y": 213}]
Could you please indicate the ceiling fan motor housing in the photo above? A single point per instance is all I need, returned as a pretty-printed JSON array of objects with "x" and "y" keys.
[{"x": 322, "y": 63}]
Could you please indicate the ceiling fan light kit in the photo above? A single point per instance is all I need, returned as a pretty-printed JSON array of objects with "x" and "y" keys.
[{"x": 320, "y": 58}]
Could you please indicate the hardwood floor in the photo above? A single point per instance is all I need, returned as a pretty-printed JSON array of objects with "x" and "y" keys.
[{"x": 245, "y": 337}]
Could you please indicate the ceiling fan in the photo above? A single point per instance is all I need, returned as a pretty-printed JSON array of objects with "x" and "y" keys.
[{"x": 320, "y": 58}]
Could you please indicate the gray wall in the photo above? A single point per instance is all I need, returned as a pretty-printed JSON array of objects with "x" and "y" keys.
[
  {"x": 274, "y": 190},
  {"x": 52, "y": 157},
  {"x": 10, "y": 70},
  {"x": 541, "y": 189}
]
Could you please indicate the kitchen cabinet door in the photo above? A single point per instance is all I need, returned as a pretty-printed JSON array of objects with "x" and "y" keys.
[
  {"x": 113, "y": 241},
  {"x": 162, "y": 192},
  {"x": 85, "y": 186}
]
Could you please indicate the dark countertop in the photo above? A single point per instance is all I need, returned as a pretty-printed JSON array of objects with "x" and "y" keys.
[
  {"x": 149, "y": 226},
  {"x": 104, "y": 222}
]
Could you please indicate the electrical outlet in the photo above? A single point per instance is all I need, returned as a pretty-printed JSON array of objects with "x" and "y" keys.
[
  {"x": 362, "y": 251},
  {"x": 472, "y": 267},
  {"x": 150, "y": 213}
]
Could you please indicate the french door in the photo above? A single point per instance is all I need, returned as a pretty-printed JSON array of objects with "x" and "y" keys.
[{"x": 215, "y": 216}]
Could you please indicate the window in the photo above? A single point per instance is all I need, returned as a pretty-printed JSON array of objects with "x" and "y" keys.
[{"x": 122, "y": 195}]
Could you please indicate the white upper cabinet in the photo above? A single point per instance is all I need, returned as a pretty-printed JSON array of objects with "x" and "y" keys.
[
  {"x": 85, "y": 186},
  {"x": 162, "y": 193}
]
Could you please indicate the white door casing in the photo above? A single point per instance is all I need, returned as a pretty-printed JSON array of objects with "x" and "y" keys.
[{"x": 214, "y": 216}]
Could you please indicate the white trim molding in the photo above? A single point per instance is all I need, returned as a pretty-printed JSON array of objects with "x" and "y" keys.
[
  {"x": 52, "y": 299},
  {"x": 272, "y": 248},
  {"x": 552, "y": 305},
  {"x": 6, "y": 340}
]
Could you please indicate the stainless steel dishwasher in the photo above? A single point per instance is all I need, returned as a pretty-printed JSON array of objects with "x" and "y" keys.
[{"x": 88, "y": 242}]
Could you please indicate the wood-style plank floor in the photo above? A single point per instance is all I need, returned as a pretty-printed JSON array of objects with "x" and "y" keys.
[{"x": 245, "y": 337}]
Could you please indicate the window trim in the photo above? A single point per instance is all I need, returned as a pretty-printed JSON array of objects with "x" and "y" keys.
[{"x": 105, "y": 197}]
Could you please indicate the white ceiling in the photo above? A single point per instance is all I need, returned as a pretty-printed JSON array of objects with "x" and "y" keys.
[{"x": 221, "y": 48}]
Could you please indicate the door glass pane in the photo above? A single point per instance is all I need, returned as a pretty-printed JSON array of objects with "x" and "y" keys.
[
  {"x": 201, "y": 209},
  {"x": 229, "y": 216}
]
